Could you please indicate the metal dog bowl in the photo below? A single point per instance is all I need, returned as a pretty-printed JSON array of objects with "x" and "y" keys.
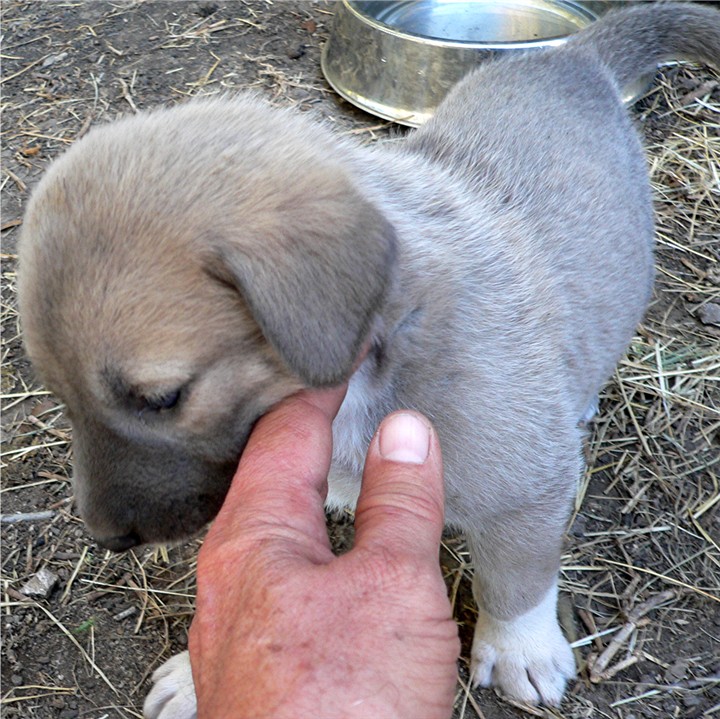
[{"x": 399, "y": 59}]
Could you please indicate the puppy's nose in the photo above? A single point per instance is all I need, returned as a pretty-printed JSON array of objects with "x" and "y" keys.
[{"x": 120, "y": 544}]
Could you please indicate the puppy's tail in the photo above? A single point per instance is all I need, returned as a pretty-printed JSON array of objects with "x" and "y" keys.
[{"x": 633, "y": 41}]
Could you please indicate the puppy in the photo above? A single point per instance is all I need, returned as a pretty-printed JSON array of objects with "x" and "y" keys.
[{"x": 184, "y": 269}]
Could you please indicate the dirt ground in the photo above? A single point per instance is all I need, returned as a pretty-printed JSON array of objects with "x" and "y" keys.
[{"x": 642, "y": 551}]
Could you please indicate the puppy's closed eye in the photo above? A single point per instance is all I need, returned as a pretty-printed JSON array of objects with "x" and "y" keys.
[{"x": 158, "y": 402}]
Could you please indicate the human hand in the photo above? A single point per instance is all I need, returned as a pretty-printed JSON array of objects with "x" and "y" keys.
[{"x": 284, "y": 628}]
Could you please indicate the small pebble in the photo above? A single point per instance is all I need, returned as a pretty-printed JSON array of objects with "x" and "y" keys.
[
  {"x": 40, "y": 584},
  {"x": 676, "y": 671},
  {"x": 296, "y": 53}
]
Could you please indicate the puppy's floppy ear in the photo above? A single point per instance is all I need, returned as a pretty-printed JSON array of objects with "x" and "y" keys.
[{"x": 314, "y": 270}]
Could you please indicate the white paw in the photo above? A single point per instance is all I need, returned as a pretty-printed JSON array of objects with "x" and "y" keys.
[
  {"x": 527, "y": 658},
  {"x": 173, "y": 692}
]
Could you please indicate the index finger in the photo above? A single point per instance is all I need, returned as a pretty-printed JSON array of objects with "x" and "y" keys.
[{"x": 280, "y": 486}]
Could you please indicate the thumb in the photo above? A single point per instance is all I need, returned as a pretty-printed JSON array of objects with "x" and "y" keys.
[{"x": 401, "y": 504}]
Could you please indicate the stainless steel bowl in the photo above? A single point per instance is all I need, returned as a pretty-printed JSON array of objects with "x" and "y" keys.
[{"x": 399, "y": 59}]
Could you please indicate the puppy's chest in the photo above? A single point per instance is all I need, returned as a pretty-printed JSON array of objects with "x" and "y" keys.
[{"x": 353, "y": 429}]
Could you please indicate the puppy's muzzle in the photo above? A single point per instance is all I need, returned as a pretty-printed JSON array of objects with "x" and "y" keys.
[
  {"x": 132, "y": 492},
  {"x": 120, "y": 544}
]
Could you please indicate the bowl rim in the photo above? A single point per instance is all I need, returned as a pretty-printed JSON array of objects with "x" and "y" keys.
[{"x": 459, "y": 44}]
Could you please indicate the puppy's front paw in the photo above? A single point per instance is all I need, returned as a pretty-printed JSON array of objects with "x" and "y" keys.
[
  {"x": 526, "y": 658},
  {"x": 173, "y": 692}
]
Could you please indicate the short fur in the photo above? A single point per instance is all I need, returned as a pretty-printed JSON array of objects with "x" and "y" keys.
[{"x": 184, "y": 269}]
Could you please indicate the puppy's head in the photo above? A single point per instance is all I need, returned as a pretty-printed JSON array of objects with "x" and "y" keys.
[{"x": 180, "y": 272}]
